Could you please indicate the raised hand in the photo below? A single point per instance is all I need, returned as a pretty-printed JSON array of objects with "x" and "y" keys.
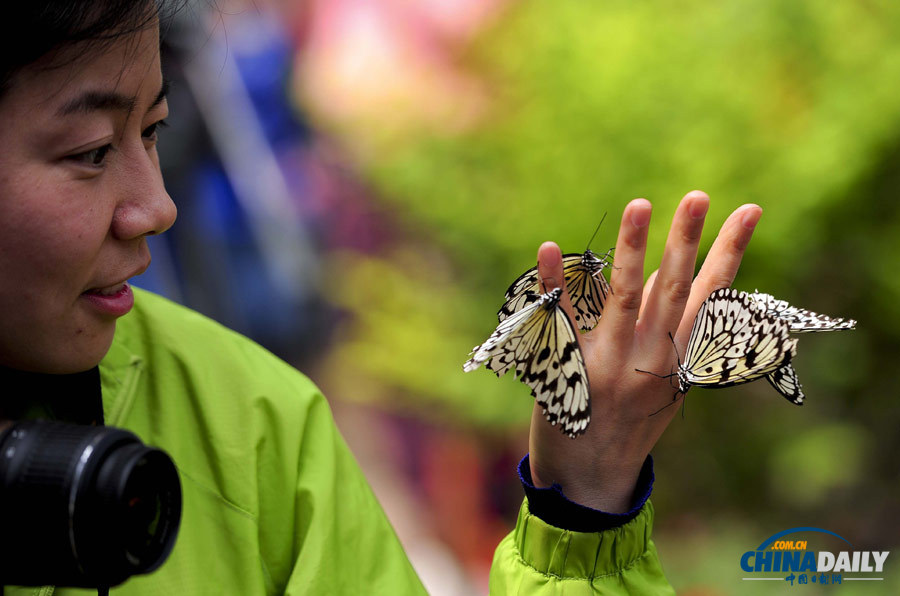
[{"x": 599, "y": 469}]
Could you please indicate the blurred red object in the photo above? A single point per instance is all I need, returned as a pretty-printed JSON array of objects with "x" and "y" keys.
[{"x": 391, "y": 64}]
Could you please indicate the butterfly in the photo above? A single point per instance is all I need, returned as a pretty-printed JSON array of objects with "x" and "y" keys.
[
  {"x": 734, "y": 341},
  {"x": 541, "y": 343},
  {"x": 588, "y": 288},
  {"x": 800, "y": 319}
]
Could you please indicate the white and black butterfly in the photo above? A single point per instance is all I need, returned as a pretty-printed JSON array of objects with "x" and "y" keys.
[
  {"x": 734, "y": 341},
  {"x": 588, "y": 288},
  {"x": 800, "y": 319},
  {"x": 541, "y": 343}
]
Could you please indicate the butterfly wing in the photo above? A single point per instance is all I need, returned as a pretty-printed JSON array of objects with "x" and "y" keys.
[
  {"x": 542, "y": 345},
  {"x": 769, "y": 303},
  {"x": 733, "y": 341},
  {"x": 529, "y": 284},
  {"x": 557, "y": 377},
  {"x": 587, "y": 287},
  {"x": 786, "y": 382},
  {"x": 500, "y": 349},
  {"x": 800, "y": 319},
  {"x": 520, "y": 294}
]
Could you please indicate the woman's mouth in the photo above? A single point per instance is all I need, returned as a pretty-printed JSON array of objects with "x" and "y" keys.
[
  {"x": 108, "y": 291},
  {"x": 115, "y": 300}
]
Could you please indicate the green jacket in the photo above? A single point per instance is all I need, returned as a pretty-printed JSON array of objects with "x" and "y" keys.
[{"x": 273, "y": 500}]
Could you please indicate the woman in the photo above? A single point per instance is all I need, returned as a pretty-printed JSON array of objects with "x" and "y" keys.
[{"x": 273, "y": 500}]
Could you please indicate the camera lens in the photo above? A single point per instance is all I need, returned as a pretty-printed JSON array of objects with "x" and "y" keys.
[
  {"x": 83, "y": 506},
  {"x": 143, "y": 507},
  {"x": 134, "y": 489}
]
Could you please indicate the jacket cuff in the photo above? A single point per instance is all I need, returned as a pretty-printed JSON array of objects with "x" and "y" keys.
[
  {"x": 551, "y": 505},
  {"x": 554, "y": 552}
]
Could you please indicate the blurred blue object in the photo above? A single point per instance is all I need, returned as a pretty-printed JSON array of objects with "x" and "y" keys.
[{"x": 240, "y": 251}]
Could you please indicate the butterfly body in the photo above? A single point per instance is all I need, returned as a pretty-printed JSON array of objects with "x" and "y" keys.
[
  {"x": 539, "y": 341},
  {"x": 593, "y": 263}
]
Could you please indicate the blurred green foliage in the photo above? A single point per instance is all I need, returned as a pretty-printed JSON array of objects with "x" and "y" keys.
[
  {"x": 807, "y": 465},
  {"x": 791, "y": 105},
  {"x": 410, "y": 368}
]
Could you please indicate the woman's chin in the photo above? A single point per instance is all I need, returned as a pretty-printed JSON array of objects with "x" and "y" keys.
[{"x": 79, "y": 352}]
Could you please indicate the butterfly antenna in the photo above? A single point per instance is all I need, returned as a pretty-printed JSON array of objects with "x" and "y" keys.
[
  {"x": 674, "y": 347},
  {"x": 594, "y": 235}
]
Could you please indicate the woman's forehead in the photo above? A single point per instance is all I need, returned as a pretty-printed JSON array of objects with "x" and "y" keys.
[{"x": 120, "y": 75}]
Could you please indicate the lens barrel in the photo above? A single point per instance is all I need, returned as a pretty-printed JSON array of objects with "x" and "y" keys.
[{"x": 83, "y": 506}]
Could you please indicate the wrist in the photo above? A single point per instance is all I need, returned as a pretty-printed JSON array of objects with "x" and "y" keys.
[
  {"x": 560, "y": 509},
  {"x": 602, "y": 485}
]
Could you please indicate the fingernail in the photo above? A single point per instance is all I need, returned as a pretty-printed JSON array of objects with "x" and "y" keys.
[
  {"x": 751, "y": 218},
  {"x": 698, "y": 209},
  {"x": 640, "y": 217}
]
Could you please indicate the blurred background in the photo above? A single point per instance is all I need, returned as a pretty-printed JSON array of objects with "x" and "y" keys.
[{"x": 358, "y": 182}]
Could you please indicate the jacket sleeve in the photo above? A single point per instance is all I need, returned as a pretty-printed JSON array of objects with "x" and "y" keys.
[{"x": 540, "y": 559}]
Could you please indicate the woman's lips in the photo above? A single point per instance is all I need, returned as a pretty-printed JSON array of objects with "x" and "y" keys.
[{"x": 114, "y": 300}]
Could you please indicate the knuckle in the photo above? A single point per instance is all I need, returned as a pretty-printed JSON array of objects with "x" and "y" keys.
[
  {"x": 629, "y": 299},
  {"x": 691, "y": 235},
  {"x": 678, "y": 290},
  {"x": 715, "y": 281},
  {"x": 634, "y": 241},
  {"x": 739, "y": 244}
]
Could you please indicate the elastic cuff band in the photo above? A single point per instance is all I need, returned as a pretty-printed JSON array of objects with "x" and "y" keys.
[{"x": 552, "y": 506}]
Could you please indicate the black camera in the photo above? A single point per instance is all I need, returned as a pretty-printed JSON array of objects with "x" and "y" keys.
[{"x": 83, "y": 506}]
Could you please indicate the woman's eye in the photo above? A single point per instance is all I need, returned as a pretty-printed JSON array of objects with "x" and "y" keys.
[
  {"x": 150, "y": 133},
  {"x": 94, "y": 157}
]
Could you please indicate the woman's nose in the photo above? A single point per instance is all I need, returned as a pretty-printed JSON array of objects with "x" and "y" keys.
[{"x": 144, "y": 207}]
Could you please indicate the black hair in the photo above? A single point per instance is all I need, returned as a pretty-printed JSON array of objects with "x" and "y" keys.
[{"x": 33, "y": 29}]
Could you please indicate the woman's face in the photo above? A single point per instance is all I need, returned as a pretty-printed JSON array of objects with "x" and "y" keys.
[{"x": 80, "y": 190}]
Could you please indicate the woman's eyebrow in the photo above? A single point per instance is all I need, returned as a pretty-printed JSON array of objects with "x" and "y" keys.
[
  {"x": 98, "y": 101},
  {"x": 92, "y": 101}
]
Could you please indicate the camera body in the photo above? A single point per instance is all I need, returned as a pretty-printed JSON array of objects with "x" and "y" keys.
[{"x": 83, "y": 506}]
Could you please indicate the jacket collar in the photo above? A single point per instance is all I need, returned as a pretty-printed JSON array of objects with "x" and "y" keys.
[{"x": 73, "y": 398}]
